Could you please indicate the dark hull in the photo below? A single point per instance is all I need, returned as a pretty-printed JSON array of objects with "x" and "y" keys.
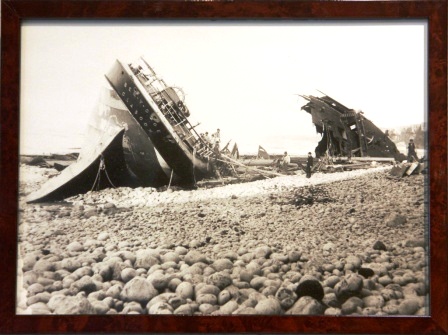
[
  {"x": 149, "y": 114},
  {"x": 346, "y": 132},
  {"x": 140, "y": 147}
]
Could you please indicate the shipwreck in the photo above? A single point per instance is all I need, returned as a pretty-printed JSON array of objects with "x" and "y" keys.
[
  {"x": 347, "y": 134},
  {"x": 139, "y": 135}
]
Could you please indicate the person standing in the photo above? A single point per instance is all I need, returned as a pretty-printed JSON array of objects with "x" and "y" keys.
[
  {"x": 286, "y": 160},
  {"x": 216, "y": 138},
  {"x": 412, "y": 155},
  {"x": 309, "y": 165}
]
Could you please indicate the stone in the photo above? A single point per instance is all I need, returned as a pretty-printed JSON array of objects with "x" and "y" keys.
[
  {"x": 85, "y": 284},
  {"x": 395, "y": 220},
  {"x": 38, "y": 308},
  {"x": 366, "y": 272},
  {"x": 228, "y": 308},
  {"x": 310, "y": 286},
  {"x": 194, "y": 256},
  {"x": 160, "y": 308},
  {"x": 269, "y": 306},
  {"x": 185, "y": 309},
  {"x": 219, "y": 279},
  {"x": 349, "y": 286},
  {"x": 127, "y": 274},
  {"x": 286, "y": 297},
  {"x": 43, "y": 265},
  {"x": 138, "y": 289},
  {"x": 170, "y": 257},
  {"x": 408, "y": 306},
  {"x": 206, "y": 298},
  {"x": 158, "y": 280},
  {"x": 351, "y": 305},
  {"x": 73, "y": 305},
  {"x": 43, "y": 297},
  {"x": 185, "y": 290},
  {"x": 378, "y": 245},
  {"x": 331, "y": 281},
  {"x": 263, "y": 252},
  {"x": 222, "y": 264},
  {"x": 331, "y": 300},
  {"x": 103, "y": 236},
  {"x": 146, "y": 258},
  {"x": 306, "y": 306},
  {"x": 223, "y": 297},
  {"x": 376, "y": 301},
  {"x": 70, "y": 264},
  {"x": 132, "y": 306},
  {"x": 354, "y": 260},
  {"x": 333, "y": 311},
  {"x": 75, "y": 247},
  {"x": 100, "y": 307}
]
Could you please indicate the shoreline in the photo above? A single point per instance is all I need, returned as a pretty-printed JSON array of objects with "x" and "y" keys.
[{"x": 254, "y": 243}]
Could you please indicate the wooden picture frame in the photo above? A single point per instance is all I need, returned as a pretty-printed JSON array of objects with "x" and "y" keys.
[{"x": 14, "y": 12}]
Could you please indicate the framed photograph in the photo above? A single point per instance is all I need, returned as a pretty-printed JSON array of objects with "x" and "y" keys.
[{"x": 215, "y": 166}]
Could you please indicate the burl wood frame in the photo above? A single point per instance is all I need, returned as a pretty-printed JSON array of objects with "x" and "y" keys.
[{"x": 435, "y": 12}]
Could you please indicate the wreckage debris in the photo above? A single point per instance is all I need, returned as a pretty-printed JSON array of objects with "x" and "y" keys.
[{"x": 346, "y": 132}]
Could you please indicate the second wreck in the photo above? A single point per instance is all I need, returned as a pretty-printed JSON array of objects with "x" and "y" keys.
[{"x": 347, "y": 133}]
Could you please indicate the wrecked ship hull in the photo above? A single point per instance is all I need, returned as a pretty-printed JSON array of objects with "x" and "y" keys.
[
  {"x": 346, "y": 132},
  {"x": 122, "y": 150}
]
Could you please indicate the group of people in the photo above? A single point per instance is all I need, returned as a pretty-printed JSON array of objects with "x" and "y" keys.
[
  {"x": 286, "y": 160},
  {"x": 212, "y": 141}
]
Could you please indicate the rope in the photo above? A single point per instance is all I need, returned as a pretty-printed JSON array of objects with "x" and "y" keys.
[
  {"x": 101, "y": 167},
  {"x": 171, "y": 178}
]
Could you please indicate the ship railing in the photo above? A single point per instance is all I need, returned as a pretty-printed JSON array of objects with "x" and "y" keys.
[{"x": 177, "y": 119}]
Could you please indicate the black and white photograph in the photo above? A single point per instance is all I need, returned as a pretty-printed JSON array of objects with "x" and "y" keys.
[{"x": 223, "y": 168}]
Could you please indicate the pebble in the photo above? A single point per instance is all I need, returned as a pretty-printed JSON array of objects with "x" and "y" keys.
[{"x": 237, "y": 261}]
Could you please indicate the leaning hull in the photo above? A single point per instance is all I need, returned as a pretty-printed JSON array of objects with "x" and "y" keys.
[{"x": 152, "y": 120}]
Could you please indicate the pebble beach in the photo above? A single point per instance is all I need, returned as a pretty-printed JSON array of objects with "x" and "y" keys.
[{"x": 346, "y": 243}]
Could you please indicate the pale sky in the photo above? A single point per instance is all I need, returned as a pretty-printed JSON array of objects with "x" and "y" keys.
[{"x": 240, "y": 77}]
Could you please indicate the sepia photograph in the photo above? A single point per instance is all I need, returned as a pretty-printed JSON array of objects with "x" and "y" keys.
[{"x": 223, "y": 168}]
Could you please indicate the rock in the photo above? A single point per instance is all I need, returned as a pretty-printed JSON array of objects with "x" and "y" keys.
[
  {"x": 258, "y": 282},
  {"x": 222, "y": 264},
  {"x": 246, "y": 275},
  {"x": 132, "y": 306},
  {"x": 206, "y": 298},
  {"x": 228, "y": 308},
  {"x": 100, "y": 307},
  {"x": 146, "y": 258},
  {"x": 408, "y": 306},
  {"x": 103, "y": 236},
  {"x": 376, "y": 301},
  {"x": 310, "y": 286},
  {"x": 43, "y": 297},
  {"x": 206, "y": 289},
  {"x": 366, "y": 272},
  {"x": 331, "y": 300},
  {"x": 262, "y": 252},
  {"x": 160, "y": 308},
  {"x": 185, "y": 309},
  {"x": 329, "y": 246},
  {"x": 70, "y": 264},
  {"x": 378, "y": 245},
  {"x": 181, "y": 250},
  {"x": 395, "y": 220},
  {"x": 348, "y": 287},
  {"x": 354, "y": 260},
  {"x": 75, "y": 247},
  {"x": 306, "y": 306},
  {"x": 416, "y": 243},
  {"x": 170, "y": 257},
  {"x": 223, "y": 297},
  {"x": 73, "y": 305},
  {"x": 43, "y": 265},
  {"x": 38, "y": 308},
  {"x": 331, "y": 281},
  {"x": 351, "y": 305},
  {"x": 294, "y": 256},
  {"x": 29, "y": 260},
  {"x": 194, "y": 256},
  {"x": 158, "y": 280},
  {"x": 35, "y": 289},
  {"x": 384, "y": 280},
  {"x": 219, "y": 279},
  {"x": 85, "y": 284},
  {"x": 333, "y": 311},
  {"x": 269, "y": 306},
  {"x": 185, "y": 290},
  {"x": 127, "y": 274},
  {"x": 286, "y": 297},
  {"x": 207, "y": 309},
  {"x": 138, "y": 289}
]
